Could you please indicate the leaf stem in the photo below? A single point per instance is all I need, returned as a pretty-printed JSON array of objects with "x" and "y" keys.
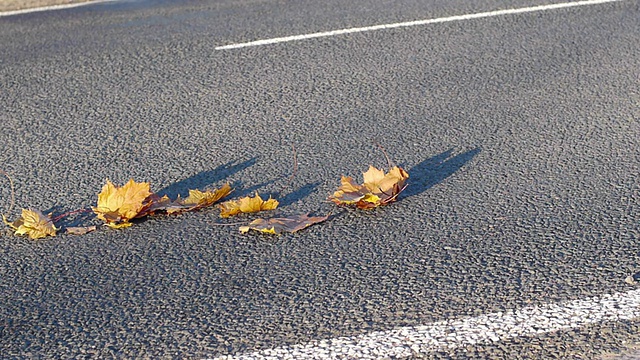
[
  {"x": 389, "y": 162},
  {"x": 295, "y": 169},
  {"x": 62, "y": 216}
]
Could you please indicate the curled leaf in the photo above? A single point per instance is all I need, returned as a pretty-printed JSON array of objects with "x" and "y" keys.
[
  {"x": 246, "y": 205},
  {"x": 196, "y": 200},
  {"x": 158, "y": 203},
  {"x": 32, "y": 223},
  {"x": 119, "y": 204},
  {"x": 279, "y": 225},
  {"x": 379, "y": 188},
  {"x": 199, "y": 199}
]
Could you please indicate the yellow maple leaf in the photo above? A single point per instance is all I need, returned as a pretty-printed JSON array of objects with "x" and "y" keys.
[
  {"x": 119, "y": 204},
  {"x": 379, "y": 188},
  {"x": 247, "y": 205},
  {"x": 196, "y": 200},
  {"x": 199, "y": 199},
  {"x": 33, "y": 223}
]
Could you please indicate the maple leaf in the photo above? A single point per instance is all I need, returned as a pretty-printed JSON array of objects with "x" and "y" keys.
[
  {"x": 119, "y": 204},
  {"x": 279, "y": 225},
  {"x": 246, "y": 205},
  {"x": 379, "y": 188},
  {"x": 32, "y": 223},
  {"x": 196, "y": 200},
  {"x": 376, "y": 180},
  {"x": 199, "y": 199}
]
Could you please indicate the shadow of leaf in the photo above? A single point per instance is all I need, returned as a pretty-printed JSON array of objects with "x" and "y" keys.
[
  {"x": 434, "y": 170},
  {"x": 239, "y": 191},
  {"x": 53, "y": 210},
  {"x": 299, "y": 194},
  {"x": 205, "y": 179},
  {"x": 67, "y": 221},
  {"x": 80, "y": 219}
]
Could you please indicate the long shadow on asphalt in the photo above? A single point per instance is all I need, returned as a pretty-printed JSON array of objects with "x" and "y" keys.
[
  {"x": 200, "y": 181},
  {"x": 205, "y": 179},
  {"x": 434, "y": 170},
  {"x": 298, "y": 194}
]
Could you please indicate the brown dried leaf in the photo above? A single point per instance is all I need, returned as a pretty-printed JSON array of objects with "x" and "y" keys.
[
  {"x": 80, "y": 230},
  {"x": 157, "y": 203},
  {"x": 246, "y": 205},
  {"x": 379, "y": 188},
  {"x": 279, "y": 225},
  {"x": 378, "y": 182}
]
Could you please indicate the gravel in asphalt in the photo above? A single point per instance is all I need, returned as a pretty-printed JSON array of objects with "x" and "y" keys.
[{"x": 520, "y": 134}]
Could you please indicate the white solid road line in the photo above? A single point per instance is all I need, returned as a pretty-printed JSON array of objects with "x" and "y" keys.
[
  {"x": 415, "y": 23},
  {"x": 451, "y": 334},
  {"x": 52, "y": 7}
]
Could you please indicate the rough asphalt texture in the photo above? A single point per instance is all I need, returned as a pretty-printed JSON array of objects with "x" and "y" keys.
[{"x": 521, "y": 135}]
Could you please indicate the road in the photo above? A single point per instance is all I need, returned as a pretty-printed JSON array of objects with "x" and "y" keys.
[{"x": 520, "y": 133}]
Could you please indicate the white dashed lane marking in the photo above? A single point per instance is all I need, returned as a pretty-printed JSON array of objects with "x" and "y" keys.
[
  {"x": 451, "y": 334},
  {"x": 52, "y": 7},
  {"x": 415, "y": 23}
]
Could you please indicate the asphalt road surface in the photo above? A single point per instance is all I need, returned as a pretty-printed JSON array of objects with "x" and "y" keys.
[{"x": 521, "y": 135}]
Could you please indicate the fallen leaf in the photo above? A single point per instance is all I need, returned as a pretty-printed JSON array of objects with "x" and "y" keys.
[
  {"x": 246, "y": 205},
  {"x": 80, "y": 230},
  {"x": 158, "y": 203},
  {"x": 377, "y": 181},
  {"x": 117, "y": 205},
  {"x": 279, "y": 225},
  {"x": 33, "y": 223},
  {"x": 196, "y": 200},
  {"x": 199, "y": 199},
  {"x": 379, "y": 188}
]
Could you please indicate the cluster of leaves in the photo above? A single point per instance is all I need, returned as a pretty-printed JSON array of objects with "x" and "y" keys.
[{"x": 118, "y": 205}]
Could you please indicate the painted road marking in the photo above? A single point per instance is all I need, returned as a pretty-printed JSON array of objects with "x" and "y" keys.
[
  {"x": 52, "y": 7},
  {"x": 415, "y": 23},
  {"x": 451, "y": 334}
]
